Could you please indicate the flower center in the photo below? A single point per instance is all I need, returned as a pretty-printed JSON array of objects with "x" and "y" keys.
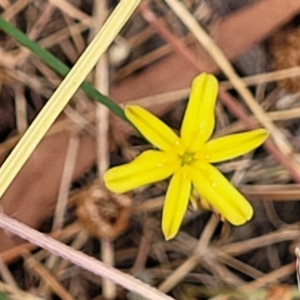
[{"x": 187, "y": 158}]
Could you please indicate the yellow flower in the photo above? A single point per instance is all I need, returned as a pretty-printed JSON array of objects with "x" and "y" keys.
[{"x": 187, "y": 159}]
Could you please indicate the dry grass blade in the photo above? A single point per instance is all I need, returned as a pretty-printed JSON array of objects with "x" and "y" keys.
[
  {"x": 13, "y": 294},
  {"x": 73, "y": 12},
  {"x": 192, "y": 261},
  {"x": 102, "y": 121}
]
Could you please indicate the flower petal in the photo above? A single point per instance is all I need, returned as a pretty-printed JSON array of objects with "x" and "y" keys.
[
  {"x": 149, "y": 167},
  {"x": 199, "y": 121},
  {"x": 234, "y": 145},
  {"x": 153, "y": 129},
  {"x": 176, "y": 203},
  {"x": 221, "y": 194}
]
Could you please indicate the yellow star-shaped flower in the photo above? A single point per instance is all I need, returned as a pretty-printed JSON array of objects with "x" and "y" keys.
[{"x": 187, "y": 159}]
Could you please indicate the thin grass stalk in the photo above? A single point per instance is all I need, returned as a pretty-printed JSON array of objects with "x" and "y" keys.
[{"x": 64, "y": 92}]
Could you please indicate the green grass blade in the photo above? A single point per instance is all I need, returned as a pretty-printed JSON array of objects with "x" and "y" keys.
[{"x": 58, "y": 66}]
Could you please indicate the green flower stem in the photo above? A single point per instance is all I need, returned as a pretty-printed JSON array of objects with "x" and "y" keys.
[
  {"x": 64, "y": 92},
  {"x": 58, "y": 66}
]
